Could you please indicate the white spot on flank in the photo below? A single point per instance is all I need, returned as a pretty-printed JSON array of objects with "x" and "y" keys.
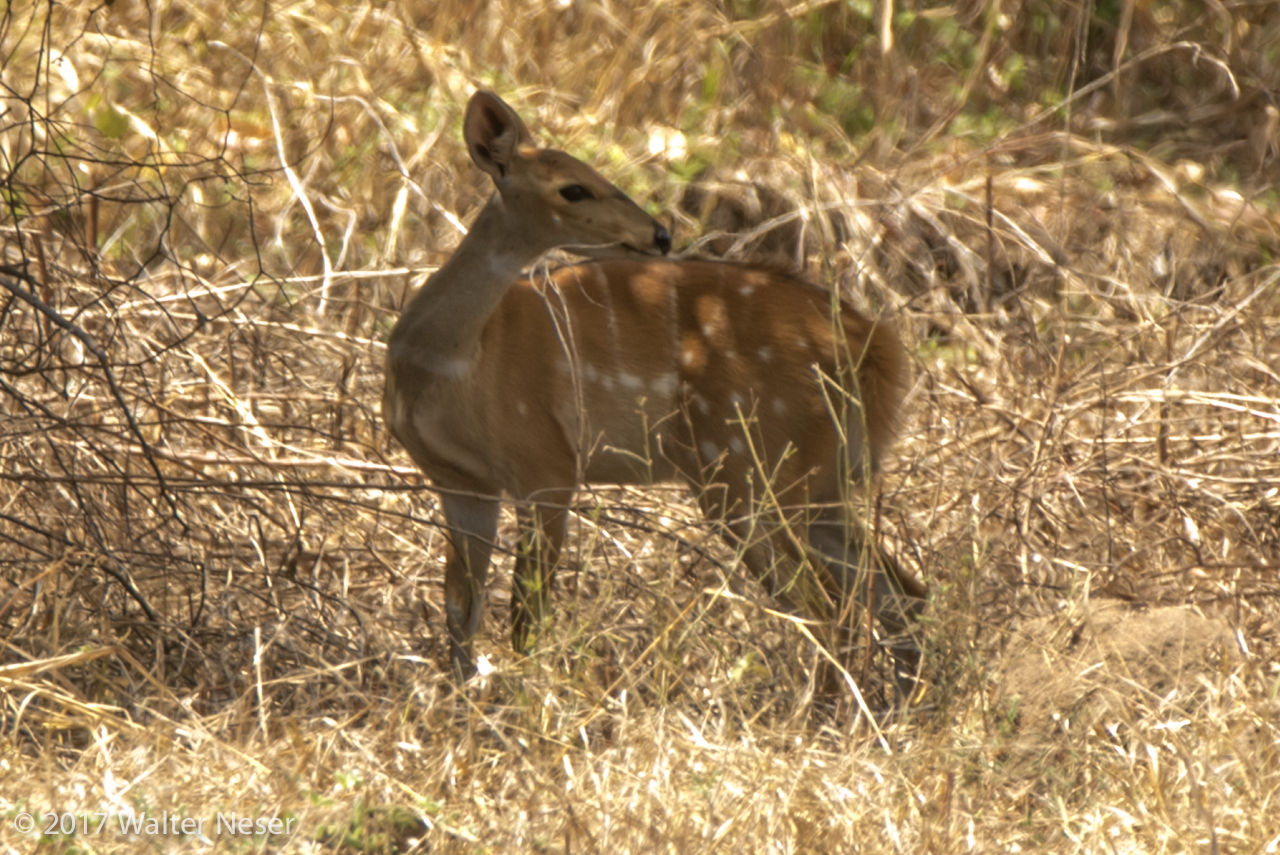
[
  {"x": 746, "y": 290},
  {"x": 779, "y": 406},
  {"x": 731, "y": 354},
  {"x": 708, "y": 330},
  {"x": 630, "y": 381},
  {"x": 664, "y": 385},
  {"x": 709, "y": 450},
  {"x": 736, "y": 445},
  {"x": 802, "y": 344},
  {"x": 703, "y": 405},
  {"x": 687, "y": 356},
  {"x": 521, "y": 409},
  {"x": 765, "y": 354},
  {"x": 589, "y": 371}
]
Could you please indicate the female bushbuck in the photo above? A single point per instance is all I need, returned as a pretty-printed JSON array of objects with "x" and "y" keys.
[{"x": 746, "y": 383}]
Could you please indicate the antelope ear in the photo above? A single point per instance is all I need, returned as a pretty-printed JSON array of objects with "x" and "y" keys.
[{"x": 493, "y": 133}]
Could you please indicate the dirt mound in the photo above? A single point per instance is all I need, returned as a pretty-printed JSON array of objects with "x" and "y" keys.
[{"x": 1079, "y": 665}]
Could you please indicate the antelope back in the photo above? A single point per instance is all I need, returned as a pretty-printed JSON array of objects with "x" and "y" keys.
[{"x": 633, "y": 371}]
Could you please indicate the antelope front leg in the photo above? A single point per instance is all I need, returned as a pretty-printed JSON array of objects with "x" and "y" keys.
[
  {"x": 542, "y": 531},
  {"x": 472, "y": 524}
]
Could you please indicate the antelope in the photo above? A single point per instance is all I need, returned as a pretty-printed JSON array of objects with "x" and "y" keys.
[{"x": 761, "y": 391}]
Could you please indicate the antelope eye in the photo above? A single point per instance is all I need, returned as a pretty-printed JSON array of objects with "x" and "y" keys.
[{"x": 575, "y": 193}]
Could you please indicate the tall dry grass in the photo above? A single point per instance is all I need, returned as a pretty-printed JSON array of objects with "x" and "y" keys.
[{"x": 220, "y": 585}]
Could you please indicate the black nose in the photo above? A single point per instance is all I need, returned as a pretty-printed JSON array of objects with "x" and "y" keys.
[{"x": 662, "y": 239}]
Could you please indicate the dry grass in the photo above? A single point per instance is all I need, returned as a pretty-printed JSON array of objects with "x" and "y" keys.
[{"x": 220, "y": 583}]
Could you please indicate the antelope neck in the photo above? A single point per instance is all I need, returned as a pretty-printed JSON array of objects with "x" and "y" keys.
[{"x": 439, "y": 330}]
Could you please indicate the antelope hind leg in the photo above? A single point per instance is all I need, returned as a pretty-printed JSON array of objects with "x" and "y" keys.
[{"x": 860, "y": 571}]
